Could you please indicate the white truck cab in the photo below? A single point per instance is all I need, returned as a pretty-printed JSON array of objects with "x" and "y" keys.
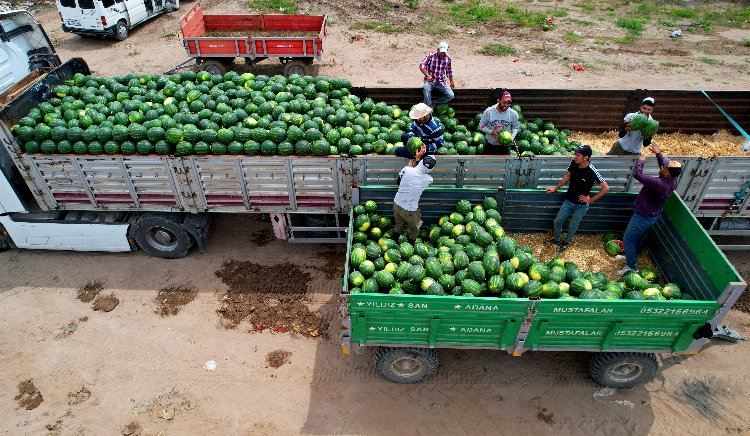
[{"x": 112, "y": 18}]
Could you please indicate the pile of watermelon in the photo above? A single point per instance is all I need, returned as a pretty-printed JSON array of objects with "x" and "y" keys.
[
  {"x": 199, "y": 113},
  {"x": 535, "y": 137},
  {"x": 467, "y": 253}
]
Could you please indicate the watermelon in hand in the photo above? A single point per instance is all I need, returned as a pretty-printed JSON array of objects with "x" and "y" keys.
[
  {"x": 414, "y": 144},
  {"x": 505, "y": 137}
]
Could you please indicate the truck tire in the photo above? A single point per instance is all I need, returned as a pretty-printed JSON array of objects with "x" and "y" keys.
[
  {"x": 406, "y": 365},
  {"x": 213, "y": 66},
  {"x": 623, "y": 370},
  {"x": 162, "y": 236},
  {"x": 295, "y": 67},
  {"x": 121, "y": 31}
]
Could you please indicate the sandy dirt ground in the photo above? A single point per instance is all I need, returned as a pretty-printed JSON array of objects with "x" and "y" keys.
[
  {"x": 544, "y": 59},
  {"x": 127, "y": 344}
]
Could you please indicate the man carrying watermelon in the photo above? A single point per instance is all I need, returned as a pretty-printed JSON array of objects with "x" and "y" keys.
[
  {"x": 412, "y": 180},
  {"x": 425, "y": 130},
  {"x": 436, "y": 67},
  {"x": 582, "y": 174},
  {"x": 632, "y": 139},
  {"x": 648, "y": 205},
  {"x": 500, "y": 125}
]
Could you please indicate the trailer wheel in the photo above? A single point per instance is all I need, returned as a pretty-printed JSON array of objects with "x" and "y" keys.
[
  {"x": 406, "y": 365},
  {"x": 213, "y": 66},
  {"x": 121, "y": 31},
  {"x": 623, "y": 370},
  {"x": 162, "y": 236},
  {"x": 295, "y": 67}
]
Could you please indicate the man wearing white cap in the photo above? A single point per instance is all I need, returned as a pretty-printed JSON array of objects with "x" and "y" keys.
[
  {"x": 413, "y": 179},
  {"x": 649, "y": 204},
  {"x": 631, "y": 142},
  {"x": 425, "y": 127},
  {"x": 436, "y": 67}
]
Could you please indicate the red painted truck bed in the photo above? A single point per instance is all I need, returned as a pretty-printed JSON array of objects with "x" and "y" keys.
[{"x": 194, "y": 26}]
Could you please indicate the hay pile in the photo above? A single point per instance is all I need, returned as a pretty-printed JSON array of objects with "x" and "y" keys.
[
  {"x": 586, "y": 251},
  {"x": 721, "y": 143}
]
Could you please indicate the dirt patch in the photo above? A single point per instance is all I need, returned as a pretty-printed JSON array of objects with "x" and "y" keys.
[
  {"x": 132, "y": 429},
  {"x": 704, "y": 395},
  {"x": 333, "y": 262},
  {"x": 105, "y": 303},
  {"x": 79, "y": 396},
  {"x": 70, "y": 328},
  {"x": 261, "y": 238},
  {"x": 28, "y": 396},
  {"x": 90, "y": 291},
  {"x": 166, "y": 405},
  {"x": 743, "y": 304},
  {"x": 278, "y": 358},
  {"x": 269, "y": 297},
  {"x": 169, "y": 301}
]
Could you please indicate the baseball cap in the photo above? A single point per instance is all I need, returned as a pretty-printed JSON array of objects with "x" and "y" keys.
[
  {"x": 584, "y": 150},
  {"x": 674, "y": 167},
  {"x": 506, "y": 96},
  {"x": 443, "y": 47},
  {"x": 429, "y": 162},
  {"x": 649, "y": 101}
]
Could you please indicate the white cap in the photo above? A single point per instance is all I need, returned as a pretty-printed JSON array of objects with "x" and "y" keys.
[{"x": 443, "y": 47}]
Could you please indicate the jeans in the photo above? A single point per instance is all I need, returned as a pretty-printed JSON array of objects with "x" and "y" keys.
[
  {"x": 576, "y": 212},
  {"x": 443, "y": 93},
  {"x": 637, "y": 227}
]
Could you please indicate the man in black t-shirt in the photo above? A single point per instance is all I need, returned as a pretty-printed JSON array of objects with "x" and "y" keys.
[{"x": 582, "y": 175}]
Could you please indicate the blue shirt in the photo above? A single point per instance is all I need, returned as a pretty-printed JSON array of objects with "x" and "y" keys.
[{"x": 431, "y": 133}]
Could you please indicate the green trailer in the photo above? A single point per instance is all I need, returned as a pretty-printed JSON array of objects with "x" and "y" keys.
[{"x": 624, "y": 336}]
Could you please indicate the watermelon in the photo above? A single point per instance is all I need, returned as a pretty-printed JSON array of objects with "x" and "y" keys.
[
  {"x": 367, "y": 268},
  {"x": 649, "y": 274},
  {"x": 580, "y": 285},
  {"x": 463, "y": 207},
  {"x": 671, "y": 291},
  {"x": 357, "y": 256},
  {"x": 515, "y": 281},
  {"x": 356, "y": 278},
  {"x": 471, "y": 286},
  {"x": 613, "y": 247},
  {"x": 370, "y": 286},
  {"x": 550, "y": 290},
  {"x": 495, "y": 284},
  {"x": 532, "y": 289},
  {"x": 650, "y": 128},
  {"x": 506, "y": 247}
]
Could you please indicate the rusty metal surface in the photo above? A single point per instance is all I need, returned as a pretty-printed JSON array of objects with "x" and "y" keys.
[{"x": 594, "y": 111}]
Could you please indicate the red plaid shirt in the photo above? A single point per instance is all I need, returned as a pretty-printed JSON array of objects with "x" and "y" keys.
[{"x": 438, "y": 68}]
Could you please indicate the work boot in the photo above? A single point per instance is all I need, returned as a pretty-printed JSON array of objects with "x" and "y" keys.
[
  {"x": 561, "y": 247},
  {"x": 626, "y": 270}
]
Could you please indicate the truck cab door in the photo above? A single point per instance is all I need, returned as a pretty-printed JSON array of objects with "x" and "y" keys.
[{"x": 136, "y": 11}]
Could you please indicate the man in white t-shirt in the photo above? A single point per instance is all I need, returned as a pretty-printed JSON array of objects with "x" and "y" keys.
[
  {"x": 631, "y": 142},
  {"x": 413, "y": 179}
]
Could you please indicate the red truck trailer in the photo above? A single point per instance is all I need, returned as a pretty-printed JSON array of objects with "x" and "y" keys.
[{"x": 213, "y": 41}]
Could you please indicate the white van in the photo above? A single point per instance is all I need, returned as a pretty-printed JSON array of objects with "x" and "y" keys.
[{"x": 110, "y": 17}]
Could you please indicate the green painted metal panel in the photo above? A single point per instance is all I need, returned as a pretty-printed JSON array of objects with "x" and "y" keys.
[
  {"x": 716, "y": 265},
  {"x": 436, "y": 321},
  {"x": 617, "y": 325},
  {"x": 595, "y": 325}
]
